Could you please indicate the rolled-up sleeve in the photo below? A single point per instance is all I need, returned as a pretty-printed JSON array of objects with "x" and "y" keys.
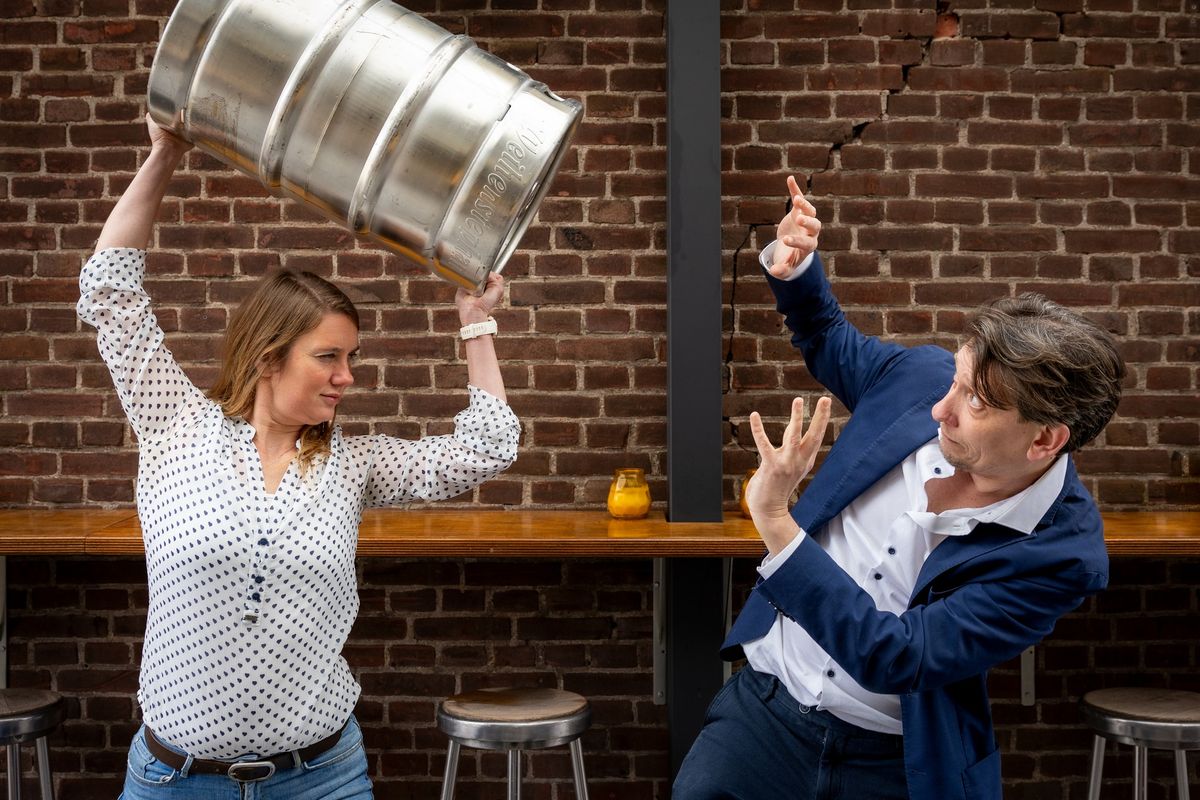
[
  {"x": 151, "y": 386},
  {"x": 483, "y": 445}
]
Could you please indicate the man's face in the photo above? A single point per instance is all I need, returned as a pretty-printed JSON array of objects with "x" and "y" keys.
[{"x": 981, "y": 439}]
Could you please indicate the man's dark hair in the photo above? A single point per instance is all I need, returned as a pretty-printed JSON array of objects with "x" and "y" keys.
[{"x": 1050, "y": 364}]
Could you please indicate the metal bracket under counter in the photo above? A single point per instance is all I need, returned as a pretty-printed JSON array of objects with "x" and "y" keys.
[
  {"x": 1028, "y": 667},
  {"x": 3, "y": 622}
]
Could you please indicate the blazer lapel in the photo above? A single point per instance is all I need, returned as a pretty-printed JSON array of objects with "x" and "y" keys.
[
  {"x": 958, "y": 550},
  {"x": 864, "y": 453}
]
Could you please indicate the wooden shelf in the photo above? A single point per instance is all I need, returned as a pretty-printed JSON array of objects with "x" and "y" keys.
[
  {"x": 55, "y": 531},
  {"x": 490, "y": 533},
  {"x": 509, "y": 534},
  {"x": 1152, "y": 533}
]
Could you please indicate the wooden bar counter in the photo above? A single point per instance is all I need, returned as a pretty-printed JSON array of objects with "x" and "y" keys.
[{"x": 489, "y": 533}]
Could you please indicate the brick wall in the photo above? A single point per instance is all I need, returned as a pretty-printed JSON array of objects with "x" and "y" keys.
[
  {"x": 956, "y": 151},
  {"x": 431, "y": 628}
]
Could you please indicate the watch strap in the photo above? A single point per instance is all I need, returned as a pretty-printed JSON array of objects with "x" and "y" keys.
[{"x": 488, "y": 326}]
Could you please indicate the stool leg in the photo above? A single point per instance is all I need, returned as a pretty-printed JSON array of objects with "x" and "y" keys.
[
  {"x": 1140, "y": 758},
  {"x": 451, "y": 771},
  {"x": 577, "y": 768},
  {"x": 44, "y": 777},
  {"x": 1097, "y": 768},
  {"x": 1181, "y": 776},
  {"x": 14, "y": 771},
  {"x": 514, "y": 775}
]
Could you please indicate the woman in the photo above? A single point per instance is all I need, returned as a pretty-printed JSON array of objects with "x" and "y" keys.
[{"x": 250, "y": 500}]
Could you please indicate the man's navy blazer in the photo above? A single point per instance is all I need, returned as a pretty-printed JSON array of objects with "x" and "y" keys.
[{"x": 979, "y": 600}]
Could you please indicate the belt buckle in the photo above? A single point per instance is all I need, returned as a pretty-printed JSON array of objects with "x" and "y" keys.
[{"x": 251, "y": 771}]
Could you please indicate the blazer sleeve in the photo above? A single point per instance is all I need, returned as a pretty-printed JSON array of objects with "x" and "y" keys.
[
  {"x": 954, "y": 633},
  {"x": 844, "y": 360}
]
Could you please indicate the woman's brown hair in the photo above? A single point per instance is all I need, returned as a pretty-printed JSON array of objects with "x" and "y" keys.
[{"x": 284, "y": 306}]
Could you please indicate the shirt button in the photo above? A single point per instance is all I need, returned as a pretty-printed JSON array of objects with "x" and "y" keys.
[
  {"x": 258, "y": 578},
  {"x": 878, "y": 576},
  {"x": 263, "y": 542},
  {"x": 937, "y": 470},
  {"x": 255, "y": 597},
  {"x": 891, "y": 551},
  {"x": 829, "y": 673}
]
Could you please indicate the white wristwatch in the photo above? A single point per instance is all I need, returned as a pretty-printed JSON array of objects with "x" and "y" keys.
[{"x": 478, "y": 329}]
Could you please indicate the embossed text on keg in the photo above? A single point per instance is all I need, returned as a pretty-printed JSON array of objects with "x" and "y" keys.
[{"x": 507, "y": 176}]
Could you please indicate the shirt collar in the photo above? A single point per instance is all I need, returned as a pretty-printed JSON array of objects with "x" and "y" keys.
[
  {"x": 1026, "y": 508},
  {"x": 1020, "y": 513}
]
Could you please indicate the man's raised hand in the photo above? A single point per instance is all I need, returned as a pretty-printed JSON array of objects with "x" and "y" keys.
[
  {"x": 796, "y": 236},
  {"x": 781, "y": 469}
]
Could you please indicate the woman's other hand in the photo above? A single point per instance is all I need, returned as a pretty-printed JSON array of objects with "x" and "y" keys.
[
  {"x": 477, "y": 309},
  {"x": 163, "y": 139},
  {"x": 131, "y": 222}
]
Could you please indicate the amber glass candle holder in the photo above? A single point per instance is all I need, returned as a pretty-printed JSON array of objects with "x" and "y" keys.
[
  {"x": 742, "y": 498},
  {"x": 628, "y": 495}
]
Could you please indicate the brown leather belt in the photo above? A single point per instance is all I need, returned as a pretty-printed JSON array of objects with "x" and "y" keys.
[{"x": 242, "y": 771}]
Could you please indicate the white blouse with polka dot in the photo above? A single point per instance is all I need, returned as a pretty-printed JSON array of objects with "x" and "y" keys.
[{"x": 252, "y": 596}]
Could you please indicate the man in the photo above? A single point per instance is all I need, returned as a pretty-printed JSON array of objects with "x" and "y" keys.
[{"x": 945, "y": 532}]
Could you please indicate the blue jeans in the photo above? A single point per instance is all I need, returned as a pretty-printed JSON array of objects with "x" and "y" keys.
[
  {"x": 758, "y": 743},
  {"x": 339, "y": 773}
]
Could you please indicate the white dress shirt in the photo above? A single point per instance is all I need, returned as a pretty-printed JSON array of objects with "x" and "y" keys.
[
  {"x": 881, "y": 540},
  {"x": 252, "y": 595}
]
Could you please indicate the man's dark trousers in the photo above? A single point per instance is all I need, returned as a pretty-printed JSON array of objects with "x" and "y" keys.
[{"x": 758, "y": 743}]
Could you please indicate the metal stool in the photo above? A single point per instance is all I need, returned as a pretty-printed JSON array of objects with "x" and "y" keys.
[
  {"x": 1162, "y": 719},
  {"x": 29, "y": 714},
  {"x": 514, "y": 720}
]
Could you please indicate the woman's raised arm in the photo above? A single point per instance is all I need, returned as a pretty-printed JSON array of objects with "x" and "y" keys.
[
  {"x": 483, "y": 369},
  {"x": 132, "y": 219}
]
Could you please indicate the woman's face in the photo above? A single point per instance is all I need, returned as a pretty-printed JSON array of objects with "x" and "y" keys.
[{"x": 307, "y": 387}]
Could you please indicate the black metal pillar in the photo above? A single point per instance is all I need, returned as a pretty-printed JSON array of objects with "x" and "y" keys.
[
  {"x": 694, "y": 261},
  {"x": 694, "y": 598}
]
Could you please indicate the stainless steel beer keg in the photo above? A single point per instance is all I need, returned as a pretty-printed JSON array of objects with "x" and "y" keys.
[{"x": 367, "y": 112}]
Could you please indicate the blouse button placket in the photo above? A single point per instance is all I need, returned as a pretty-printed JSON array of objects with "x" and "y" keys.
[{"x": 267, "y": 516}]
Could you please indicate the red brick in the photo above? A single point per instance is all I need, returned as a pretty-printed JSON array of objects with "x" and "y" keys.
[
  {"x": 1009, "y": 24},
  {"x": 509, "y": 26},
  {"x": 1013, "y": 133},
  {"x": 855, "y": 78},
  {"x": 1112, "y": 241},
  {"x": 32, "y": 32},
  {"x": 1105, "y": 53},
  {"x": 958, "y": 79},
  {"x": 963, "y": 186},
  {"x": 1115, "y": 135},
  {"x": 1095, "y": 26},
  {"x": 37, "y": 136},
  {"x": 69, "y": 85},
  {"x": 810, "y": 26}
]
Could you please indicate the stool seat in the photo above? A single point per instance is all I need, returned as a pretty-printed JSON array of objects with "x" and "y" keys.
[
  {"x": 1157, "y": 718},
  {"x": 514, "y": 720},
  {"x": 525, "y": 719},
  {"x": 27, "y": 714},
  {"x": 1146, "y": 718}
]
